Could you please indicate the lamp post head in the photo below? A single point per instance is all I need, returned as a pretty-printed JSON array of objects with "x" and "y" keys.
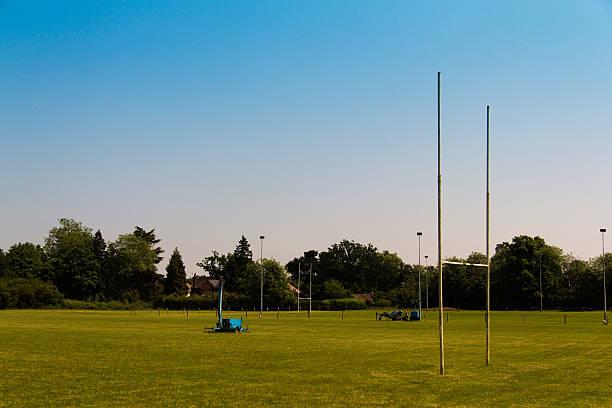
[
  {"x": 261, "y": 237},
  {"x": 419, "y": 234},
  {"x": 426, "y": 256},
  {"x": 602, "y": 230}
]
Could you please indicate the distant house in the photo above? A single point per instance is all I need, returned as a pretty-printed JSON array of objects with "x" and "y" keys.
[
  {"x": 202, "y": 287},
  {"x": 363, "y": 296},
  {"x": 293, "y": 289}
]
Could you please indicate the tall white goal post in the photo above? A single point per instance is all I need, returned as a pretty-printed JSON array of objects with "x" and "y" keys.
[
  {"x": 309, "y": 298},
  {"x": 441, "y": 263}
]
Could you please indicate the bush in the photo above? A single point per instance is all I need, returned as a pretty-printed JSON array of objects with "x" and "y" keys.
[
  {"x": 343, "y": 304},
  {"x": 21, "y": 293},
  {"x": 176, "y": 302},
  {"x": 112, "y": 305},
  {"x": 316, "y": 305},
  {"x": 210, "y": 301},
  {"x": 382, "y": 303}
]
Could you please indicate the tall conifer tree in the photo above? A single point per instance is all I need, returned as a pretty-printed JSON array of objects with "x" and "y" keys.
[{"x": 176, "y": 278}]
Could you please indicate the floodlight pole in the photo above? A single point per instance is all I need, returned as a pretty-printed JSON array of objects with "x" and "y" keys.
[
  {"x": 261, "y": 237},
  {"x": 488, "y": 254},
  {"x": 603, "y": 261},
  {"x": 440, "y": 302},
  {"x": 426, "y": 286},
  {"x": 419, "y": 234}
]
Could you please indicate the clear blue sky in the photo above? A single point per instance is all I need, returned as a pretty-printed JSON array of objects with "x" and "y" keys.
[{"x": 308, "y": 122}]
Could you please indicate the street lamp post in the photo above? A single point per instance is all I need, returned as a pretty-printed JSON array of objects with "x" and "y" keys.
[
  {"x": 261, "y": 237},
  {"x": 603, "y": 260},
  {"x": 419, "y": 234},
  {"x": 426, "y": 286}
]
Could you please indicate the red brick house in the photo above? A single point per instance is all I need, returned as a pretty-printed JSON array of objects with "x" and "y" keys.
[
  {"x": 363, "y": 296},
  {"x": 202, "y": 286}
]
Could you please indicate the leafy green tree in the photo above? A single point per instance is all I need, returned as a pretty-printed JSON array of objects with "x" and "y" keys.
[
  {"x": 233, "y": 266},
  {"x": 351, "y": 263},
  {"x": 596, "y": 270},
  {"x": 454, "y": 283},
  {"x": 465, "y": 286},
  {"x": 309, "y": 258},
  {"x": 276, "y": 289},
  {"x": 250, "y": 285},
  {"x": 213, "y": 265},
  {"x": 385, "y": 272},
  {"x": 407, "y": 296},
  {"x": 20, "y": 293},
  {"x": 176, "y": 277},
  {"x": 3, "y": 263},
  {"x": 333, "y": 289},
  {"x": 433, "y": 278},
  {"x": 551, "y": 259},
  {"x": 101, "y": 255},
  {"x": 359, "y": 268},
  {"x": 72, "y": 260},
  {"x": 133, "y": 272},
  {"x": 99, "y": 246},
  {"x": 236, "y": 264},
  {"x": 476, "y": 287},
  {"x": 28, "y": 261},
  {"x": 515, "y": 273},
  {"x": 583, "y": 284},
  {"x": 150, "y": 237}
]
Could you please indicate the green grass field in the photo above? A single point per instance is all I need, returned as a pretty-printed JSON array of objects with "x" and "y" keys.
[{"x": 102, "y": 359}]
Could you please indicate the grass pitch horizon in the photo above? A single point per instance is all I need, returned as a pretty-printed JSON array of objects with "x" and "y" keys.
[{"x": 62, "y": 358}]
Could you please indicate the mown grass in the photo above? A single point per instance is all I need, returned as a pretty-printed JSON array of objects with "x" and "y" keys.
[{"x": 62, "y": 358}]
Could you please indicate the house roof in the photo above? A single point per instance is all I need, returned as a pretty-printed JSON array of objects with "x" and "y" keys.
[
  {"x": 364, "y": 296},
  {"x": 213, "y": 282}
]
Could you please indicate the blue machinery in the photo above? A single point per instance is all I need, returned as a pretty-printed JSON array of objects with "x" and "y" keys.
[
  {"x": 398, "y": 315},
  {"x": 226, "y": 325}
]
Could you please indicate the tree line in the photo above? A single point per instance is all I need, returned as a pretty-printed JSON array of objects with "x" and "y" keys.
[
  {"x": 76, "y": 263},
  {"x": 567, "y": 282},
  {"x": 81, "y": 265}
]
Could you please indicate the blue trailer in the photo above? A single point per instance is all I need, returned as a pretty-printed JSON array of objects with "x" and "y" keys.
[{"x": 226, "y": 325}]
